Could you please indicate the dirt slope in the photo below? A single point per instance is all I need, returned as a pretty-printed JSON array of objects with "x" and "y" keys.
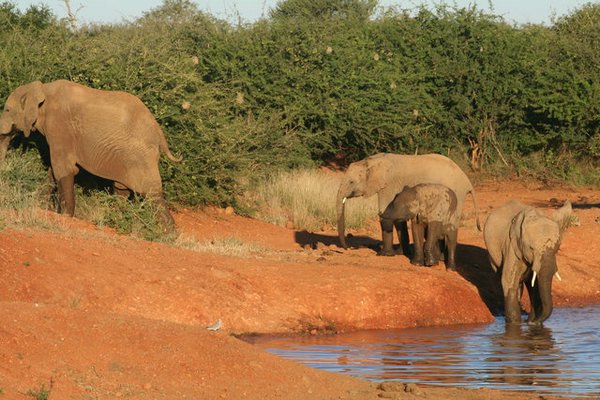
[{"x": 95, "y": 315}]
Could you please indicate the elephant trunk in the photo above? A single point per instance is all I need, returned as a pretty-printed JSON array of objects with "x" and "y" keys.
[
  {"x": 544, "y": 308},
  {"x": 341, "y": 220},
  {"x": 4, "y": 142}
]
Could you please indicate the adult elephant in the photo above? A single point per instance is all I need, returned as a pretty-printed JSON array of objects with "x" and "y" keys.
[
  {"x": 110, "y": 134},
  {"x": 523, "y": 242},
  {"x": 386, "y": 174}
]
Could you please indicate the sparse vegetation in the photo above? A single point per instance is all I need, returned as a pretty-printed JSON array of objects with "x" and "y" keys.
[{"x": 39, "y": 394}]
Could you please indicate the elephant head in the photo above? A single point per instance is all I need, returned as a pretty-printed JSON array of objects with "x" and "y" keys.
[
  {"x": 405, "y": 205},
  {"x": 362, "y": 178},
  {"x": 21, "y": 113},
  {"x": 523, "y": 242}
]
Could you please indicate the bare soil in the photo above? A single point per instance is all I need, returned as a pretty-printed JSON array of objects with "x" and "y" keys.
[{"x": 89, "y": 314}]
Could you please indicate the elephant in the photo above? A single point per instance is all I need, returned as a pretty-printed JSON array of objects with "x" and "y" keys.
[
  {"x": 386, "y": 174},
  {"x": 522, "y": 242},
  {"x": 431, "y": 209},
  {"x": 110, "y": 134}
]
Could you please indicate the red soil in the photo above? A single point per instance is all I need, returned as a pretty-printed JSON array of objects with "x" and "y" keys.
[{"x": 91, "y": 314}]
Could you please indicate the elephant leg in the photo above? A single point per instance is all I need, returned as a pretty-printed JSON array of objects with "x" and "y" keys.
[
  {"x": 418, "y": 231},
  {"x": 66, "y": 194},
  {"x": 402, "y": 230},
  {"x": 431, "y": 248},
  {"x": 387, "y": 236},
  {"x": 451, "y": 240},
  {"x": 121, "y": 190},
  {"x": 512, "y": 288}
]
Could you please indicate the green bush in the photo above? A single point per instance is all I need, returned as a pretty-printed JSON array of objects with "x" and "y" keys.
[{"x": 329, "y": 81}]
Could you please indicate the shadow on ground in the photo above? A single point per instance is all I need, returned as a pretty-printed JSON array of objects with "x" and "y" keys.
[
  {"x": 310, "y": 239},
  {"x": 473, "y": 264},
  {"x": 582, "y": 204}
]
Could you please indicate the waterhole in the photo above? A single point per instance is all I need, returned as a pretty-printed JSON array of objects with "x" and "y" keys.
[{"x": 561, "y": 358}]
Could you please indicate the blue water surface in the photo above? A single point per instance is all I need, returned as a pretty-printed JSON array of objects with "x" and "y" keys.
[{"x": 561, "y": 358}]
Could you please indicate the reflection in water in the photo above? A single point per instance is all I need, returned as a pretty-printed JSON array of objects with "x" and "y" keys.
[{"x": 560, "y": 358}]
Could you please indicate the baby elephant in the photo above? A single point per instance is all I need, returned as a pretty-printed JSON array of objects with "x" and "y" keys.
[{"x": 432, "y": 209}]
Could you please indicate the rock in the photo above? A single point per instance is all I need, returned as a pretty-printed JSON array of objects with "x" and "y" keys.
[
  {"x": 229, "y": 210},
  {"x": 413, "y": 389},
  {"x": 392, "y": 386}
]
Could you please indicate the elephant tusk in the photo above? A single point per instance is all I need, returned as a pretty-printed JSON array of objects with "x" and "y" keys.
[
  {"x": 533, "y": 279},
  {"x": 344, "y": 200},
  {"x": 558, "y": 276}
]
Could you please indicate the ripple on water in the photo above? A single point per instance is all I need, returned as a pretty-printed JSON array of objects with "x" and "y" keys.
[{"x": 561, "y": 358}]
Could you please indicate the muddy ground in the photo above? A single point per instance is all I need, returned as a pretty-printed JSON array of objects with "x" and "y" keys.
[{"x": 89, "y": 314}]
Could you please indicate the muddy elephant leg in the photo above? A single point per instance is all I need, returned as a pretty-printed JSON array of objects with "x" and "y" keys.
[
  {"x": 66, "y": 195},
  {"x": 387, "y": 237},
  {"x": 431, "y": 248},
  {"x": 451, "y": 240},
  {"x": 418, "y": 232},
  {"x": 402, "y": 230},
  {"x": 511, "y": 287}
]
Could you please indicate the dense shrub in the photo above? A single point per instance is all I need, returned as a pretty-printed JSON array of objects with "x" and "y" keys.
[{"x": 329, "y": 80}]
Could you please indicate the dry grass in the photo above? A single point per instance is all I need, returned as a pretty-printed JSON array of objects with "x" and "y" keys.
[
  {"x": 24, "y": 192},
  {"x": 307, "y": 199}
]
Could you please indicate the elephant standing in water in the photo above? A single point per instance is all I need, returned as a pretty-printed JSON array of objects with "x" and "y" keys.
[
  {"x": 431, "y": 209},
  {"x": 523, "y": 243},
  {"x": 109, "y": 134},
  {"x": 386, "y": 174}
]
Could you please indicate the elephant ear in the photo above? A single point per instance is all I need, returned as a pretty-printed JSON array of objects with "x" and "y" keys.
[
  {"x": 376, "y": 175},
  {"x": 562, "y": 217},
  {"x": 32, "y": 98},
  {"x": 516, "y": 233}
]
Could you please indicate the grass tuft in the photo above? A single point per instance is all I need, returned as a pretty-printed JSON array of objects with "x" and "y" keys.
[{"x": 39, "y": 394}]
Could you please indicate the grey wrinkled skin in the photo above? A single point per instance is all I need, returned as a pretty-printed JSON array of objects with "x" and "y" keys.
[
  {"x": 432, "y": 209},
  {"x": 386, "y": 174},
  {"x": 522, "y": 243}
]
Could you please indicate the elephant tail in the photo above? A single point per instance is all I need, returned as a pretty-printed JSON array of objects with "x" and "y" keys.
[
  {"x": 472, "y": 191},
  {"x": 164, "y": 148}
]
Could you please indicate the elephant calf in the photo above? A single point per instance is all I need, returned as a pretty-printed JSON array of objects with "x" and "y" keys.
[
  {"x": 431, "y": 208},
  {"x": 523, "y": 243}
]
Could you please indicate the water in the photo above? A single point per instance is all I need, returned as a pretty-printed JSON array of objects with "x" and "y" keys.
[{"x": 561, "y": 358}]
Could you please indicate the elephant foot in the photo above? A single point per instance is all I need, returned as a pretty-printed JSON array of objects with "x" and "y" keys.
[
  {"x": 398, "y": 251},
  {"x": 417, "y": 261},
  {"x": 451, "y": 267},
  {"x": 386, "y": 253},
  {"x": 431, "y": 261}
]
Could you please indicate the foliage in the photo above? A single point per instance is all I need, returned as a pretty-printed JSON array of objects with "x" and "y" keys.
[
  {"x": 138, "y": 217},
  {"x": 329, "y": 81}
]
